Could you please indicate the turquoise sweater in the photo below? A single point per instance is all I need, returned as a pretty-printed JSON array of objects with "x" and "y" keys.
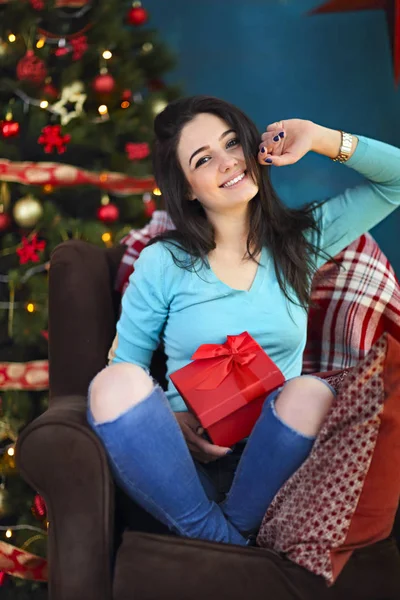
[{"x": 185, "y": 309}]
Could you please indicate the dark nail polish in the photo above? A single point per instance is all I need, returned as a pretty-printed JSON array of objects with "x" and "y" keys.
[
  {"x": 282, "y": 134},
  {"x": 276, "y": 138},
  {"x": 268, "y": 160},
  {"x": 263, "y": 149}
]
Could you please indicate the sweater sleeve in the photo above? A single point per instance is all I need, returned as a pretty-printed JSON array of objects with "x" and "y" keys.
[
  {"x": 343, "y": 218},
  {"x": 144, "y": 310}
]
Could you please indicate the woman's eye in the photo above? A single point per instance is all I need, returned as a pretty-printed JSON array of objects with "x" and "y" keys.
[
  {"x": 232, "y": 142},
  {"x": 202, "y": 161}
]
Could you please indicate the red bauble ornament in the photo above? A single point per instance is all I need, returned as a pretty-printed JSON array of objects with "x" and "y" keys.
[
  {"x": 9, "y": 128},
  {"x": 137, "y": 16},
  {"x": 108, "y": 213},
  {"x": 5, "y": 222},
  {"x": 37, "y": 4},
  {"x": 39, "y": 507},
  {"x": 104, "y": 84},
  {"x": 149, "y": 207},
  {"x": 126, "y": 95},
  {"x": 137, "y": 151},
  {"x": 31, "y": 68},
  {"x": 50, "y": 91}
]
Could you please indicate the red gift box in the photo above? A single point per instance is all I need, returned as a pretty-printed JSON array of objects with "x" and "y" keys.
[{"x": 226, "y": 386}]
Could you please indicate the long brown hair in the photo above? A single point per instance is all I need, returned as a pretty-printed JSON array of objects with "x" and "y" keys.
[{"x": 272, "y": 224}]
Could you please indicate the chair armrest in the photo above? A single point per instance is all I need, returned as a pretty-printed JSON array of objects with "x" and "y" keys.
[{"x": 61, "y": 458}]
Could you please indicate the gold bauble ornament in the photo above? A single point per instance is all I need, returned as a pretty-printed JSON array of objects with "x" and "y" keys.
[{"x": 27, "y": 211}]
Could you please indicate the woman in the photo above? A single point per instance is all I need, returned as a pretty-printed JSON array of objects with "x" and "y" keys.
[{"x": 239, "y": 260}]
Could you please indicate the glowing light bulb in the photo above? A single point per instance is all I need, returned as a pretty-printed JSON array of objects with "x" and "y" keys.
[
  {"x": 103, "y": 110},
  {"x": 157, "y": 192},
  {"x": 11, "y": 38},
  {"x": 43, "y": 104},
  {"x": 11, "y": 452},
  {"x": 125, "y": 104},
  {"x": 30, "y": 307},
  {"x": 107, "y": 54},
  {"x": 158, "y": 106},
  {"x": 106, "y": 237},
  {"x": 41, "y": 42},
  {"x": 8, "y": 533}
]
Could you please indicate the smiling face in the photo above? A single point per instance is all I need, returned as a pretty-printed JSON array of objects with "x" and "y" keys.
[{"x": 214, "y": 165}]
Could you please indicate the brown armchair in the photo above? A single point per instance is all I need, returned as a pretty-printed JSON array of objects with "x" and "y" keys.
[{"x": 101, "y": 544}]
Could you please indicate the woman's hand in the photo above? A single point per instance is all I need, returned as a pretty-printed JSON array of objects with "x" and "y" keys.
[
  {"x": 200, "y": 448},
  {"x": 286, "y": 142}
]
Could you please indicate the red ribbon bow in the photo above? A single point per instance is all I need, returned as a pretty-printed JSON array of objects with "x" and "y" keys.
[{"x": 234, "y": 356}]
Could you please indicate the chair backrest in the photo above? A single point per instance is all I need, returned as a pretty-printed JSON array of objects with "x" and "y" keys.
[{"x": 83, "y": 308}]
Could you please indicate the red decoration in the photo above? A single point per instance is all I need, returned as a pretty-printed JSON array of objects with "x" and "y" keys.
[
  {"x": 51, "y": 139},
  {"x": 79, "y": 47},
  {"x": 226, "y": 386},
  {"x": 137, "y": 16},
  {"x": 108, "y": 213},
  {"x": 62, "y": 51},
  {"x": 392, "y": 8},
  {"x": 28, "y": 251},
  {"x": 9, "y": 128},
  {"x": 63, "y": 175},
  {"x": 50, "y": 91},
  {"x": 32, "y": 376},
  {"x": 31, "y": 68},
  {"x": 149, "y": 207},
  {"x": 3, "y": 578},
  {"x": 104, "y": 84},
  {"x": 5, "y": 222},
  {"x": 137, "y": 151},
  {"x": 39, "y": 508},
  {"x": 126, "y": 95},
  {"x": 37, "y": 4},
  {"x": 21, "y": 563}
]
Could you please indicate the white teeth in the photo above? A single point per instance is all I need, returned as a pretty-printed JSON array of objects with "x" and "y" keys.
[{"x": 233, "y": 181}]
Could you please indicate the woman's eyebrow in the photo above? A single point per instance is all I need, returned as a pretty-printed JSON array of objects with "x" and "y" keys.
[{"x": 207, "y": 147}]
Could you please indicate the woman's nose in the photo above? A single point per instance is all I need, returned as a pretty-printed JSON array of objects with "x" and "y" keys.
[{"x": 227, "y": 162}]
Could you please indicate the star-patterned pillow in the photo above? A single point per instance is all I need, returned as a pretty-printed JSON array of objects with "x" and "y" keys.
[{"x": 346, "y": 494}]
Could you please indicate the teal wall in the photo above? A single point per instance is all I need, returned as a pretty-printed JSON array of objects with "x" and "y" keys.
[{"x": 275, "y": 62}]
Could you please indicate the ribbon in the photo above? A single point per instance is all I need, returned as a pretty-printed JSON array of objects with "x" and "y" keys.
[
  {"x": 238, "y": 351},
  {"x": 234, "y": 356}
]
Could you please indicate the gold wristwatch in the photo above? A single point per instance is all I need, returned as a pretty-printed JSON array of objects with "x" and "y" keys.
[{"x": 345, "y": 148}]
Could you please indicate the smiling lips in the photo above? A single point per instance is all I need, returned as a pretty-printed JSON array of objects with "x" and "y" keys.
[{"x": 234, "y": 181}]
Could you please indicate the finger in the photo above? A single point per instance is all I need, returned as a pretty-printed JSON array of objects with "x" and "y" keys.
[
  {"x": 199, "y": 455},
  {"x": 272, "y": 137},
  {"x": 275, "y": 126},
  {"x": 205, "y": 446},
  {"x": 192, "y": 421},
  {"x": 280, "y": 161}
]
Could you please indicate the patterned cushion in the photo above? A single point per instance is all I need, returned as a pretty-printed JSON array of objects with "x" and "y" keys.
[
  {"x": 352, "y": 307},
  {"x": 346, "y": 494}
]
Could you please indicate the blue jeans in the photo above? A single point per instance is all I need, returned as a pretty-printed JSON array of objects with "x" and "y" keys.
[{"x": 152, "y": 463}]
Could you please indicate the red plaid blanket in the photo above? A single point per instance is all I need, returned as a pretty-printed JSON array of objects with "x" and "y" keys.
[
  {"x": 354, "y": 305},
  {"x": 135, "y": 241}
]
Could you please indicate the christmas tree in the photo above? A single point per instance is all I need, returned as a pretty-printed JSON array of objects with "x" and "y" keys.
[{"x": 80, "y": 85}]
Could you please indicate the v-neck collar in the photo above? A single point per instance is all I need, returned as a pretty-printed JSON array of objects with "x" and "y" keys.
[{"x": 258, "y": 278}]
